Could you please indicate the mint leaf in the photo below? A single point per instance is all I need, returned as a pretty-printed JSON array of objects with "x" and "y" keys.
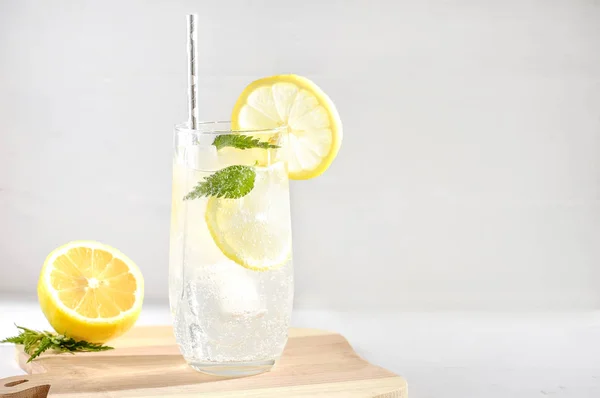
[
  {"x": 230, "y": 182},
  {"x": 241, "y": 142}
]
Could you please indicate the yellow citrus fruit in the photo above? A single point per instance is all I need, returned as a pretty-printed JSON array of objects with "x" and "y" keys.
[
  {"x": 314, "y": 126},
  {"x": 90, "y": 291},
  {"x": 255, "y": 230}
]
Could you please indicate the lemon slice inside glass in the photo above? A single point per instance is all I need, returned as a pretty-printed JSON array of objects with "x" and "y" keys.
[{"x": 255, "y": 230}]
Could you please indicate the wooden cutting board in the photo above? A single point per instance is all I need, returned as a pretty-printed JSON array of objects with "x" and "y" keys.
[{"x": 146, "y": 363}]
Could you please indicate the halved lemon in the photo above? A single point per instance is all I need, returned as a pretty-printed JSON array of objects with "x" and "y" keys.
[
  {"x": 315, "y": 129},
  {"x": 90, "y": 291},
  {"x": 255, "y": 230}
]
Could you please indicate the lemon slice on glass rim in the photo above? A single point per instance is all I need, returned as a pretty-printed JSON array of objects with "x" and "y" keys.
[{"x": 314, "y": 126}]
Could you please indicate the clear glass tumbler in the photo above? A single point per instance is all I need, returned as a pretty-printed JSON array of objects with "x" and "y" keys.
[{"x": 230, "y": 271}]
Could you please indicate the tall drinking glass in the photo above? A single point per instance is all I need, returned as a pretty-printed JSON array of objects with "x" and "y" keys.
[{"x": 230, "y": 272}]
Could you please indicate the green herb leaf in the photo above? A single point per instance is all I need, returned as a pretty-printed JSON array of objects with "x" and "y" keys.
[
  {"x": 241, "y": 142},
  {"x": 230, "y": 182},
  {"x": 35, "y": 343},
  {"x": 45, "y": 343},
  {"x": 14, "y": 339}
]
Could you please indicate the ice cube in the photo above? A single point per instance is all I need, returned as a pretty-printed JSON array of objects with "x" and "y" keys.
[{"x": 237, "y": 292}]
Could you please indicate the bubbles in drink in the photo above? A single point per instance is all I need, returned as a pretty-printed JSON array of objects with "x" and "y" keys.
[{"x": 223, "y": 311}]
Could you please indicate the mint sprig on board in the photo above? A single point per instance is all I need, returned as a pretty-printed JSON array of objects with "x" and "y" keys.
[
  {"x": 35, "y": 343},
  {"x": 231, "y": 182},
  {"x": 240, "y": 141}
]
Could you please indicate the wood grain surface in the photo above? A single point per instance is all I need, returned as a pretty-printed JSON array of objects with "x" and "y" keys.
[{"x": 146, "y": 362}]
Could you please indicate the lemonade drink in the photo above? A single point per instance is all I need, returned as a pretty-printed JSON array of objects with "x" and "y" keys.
[{"x": 231, "y": 277}]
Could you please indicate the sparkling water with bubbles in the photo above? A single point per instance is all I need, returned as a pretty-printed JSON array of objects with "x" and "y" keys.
[{"x": 224, "y": 314}]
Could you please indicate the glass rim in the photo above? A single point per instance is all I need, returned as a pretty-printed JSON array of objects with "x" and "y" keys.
[{"x": 222, "y": 127}]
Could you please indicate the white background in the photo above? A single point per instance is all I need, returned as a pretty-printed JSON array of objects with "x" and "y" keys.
[
  {"x": 469, "y": 176},
  {"x": 468, "y": 181}
]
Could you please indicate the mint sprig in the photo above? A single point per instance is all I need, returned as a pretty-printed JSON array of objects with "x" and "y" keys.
[
  {"x": 35, "y": 343},
  {"x": 231, "y": 182},
  {"x": 240, "y": 141}
]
